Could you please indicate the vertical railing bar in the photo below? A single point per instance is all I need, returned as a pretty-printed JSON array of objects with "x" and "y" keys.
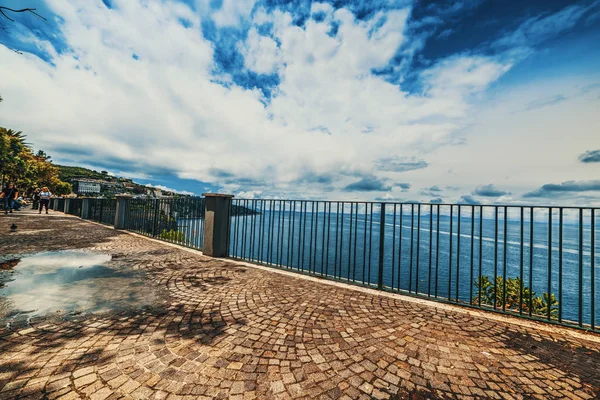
[
  {"x": 418, "y": 246},
  {"x": 480, "y": 253},
  {"x": 495, "y": 255},
  {"x": 437, "y": 250},
  {"x": 450, "y": 255},
  {"x": 504, "y": 237},
  {"x": 560, "y": 263},
  {"x": 350, "y": 242},
  {"x": 325, "y": 231},
  {"x": 400, "y": 249},
  {"x": 337, "y": 215},
  {"x": 310, "y": 240},
  {"x": 522, "y": 242},
  {"x": 457, "y": 298},
  {"x": 365, "y": 247},
  {"x": 430, "y": 249},
  {"x": 328, "y": 236},
  {"x": 263, "y": 211},
  {"x": 288, "y": 262},
  {"x": 355, "y": 242},
  {"x": 580, "y": 268},
  {"x": 381, "y": 246},
  {"x": 394, "y": 246},
  {"x": 412, "y": 236},
  {"x": 316, "y": 238},
  {"x": 277, "y": 253},
  {"x": 293, "y": 224},
  {"x": 341, "y": 241},
  {"x": 472, "y": 253},
  {"x": 269, "y": 257},
  {"x": 304, "y": 235},
  {"x": 531, "y": 217},
  {"x": 592, "y": 268},
  {"x": 549, "y": 261},
  {"x": 282, "y": 211},
  {"x": 370, "y": 240}
]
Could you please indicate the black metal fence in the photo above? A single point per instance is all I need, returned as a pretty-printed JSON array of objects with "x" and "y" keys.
[
  {"x": 75, "y": 206},
  {"x": 535, "y": 262},
  {"x": 60, "y": 204},
  {"x": 177, "y": 220},
  {"x": 103, "y": 210}
]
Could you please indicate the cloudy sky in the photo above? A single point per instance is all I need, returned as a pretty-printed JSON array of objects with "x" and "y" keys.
[{"x": 449, "y": 101}]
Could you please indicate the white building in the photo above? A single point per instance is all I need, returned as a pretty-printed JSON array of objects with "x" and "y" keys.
[{"x": 82, "y": 186}]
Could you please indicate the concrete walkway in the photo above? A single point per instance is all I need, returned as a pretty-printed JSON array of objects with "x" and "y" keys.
[{"x": 225, "y": 330}]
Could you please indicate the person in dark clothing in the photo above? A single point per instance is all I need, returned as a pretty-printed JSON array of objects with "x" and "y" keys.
[
  {"x": 36, "y": 199},
  {"x": 45, "y": 196},
  {"x": 9, "y": 195}
]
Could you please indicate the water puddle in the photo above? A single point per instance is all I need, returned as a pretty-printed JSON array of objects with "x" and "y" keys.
[{"x": 63, "y": 283}]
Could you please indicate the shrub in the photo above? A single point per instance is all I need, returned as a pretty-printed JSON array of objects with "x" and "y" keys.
[
  {"x": 172, "y": 235},
  {"x": 511, "y": 297}
]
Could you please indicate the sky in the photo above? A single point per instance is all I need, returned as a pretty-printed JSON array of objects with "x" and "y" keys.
[{"x": 470, "y": 102}]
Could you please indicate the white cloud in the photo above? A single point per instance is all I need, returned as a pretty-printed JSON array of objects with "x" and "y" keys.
[
  {"x": 167, "y": 189},
  {"x": 232, "y": 12},
  {"x": 261, "y": 53},
  {"x": 329, "y": 115}
]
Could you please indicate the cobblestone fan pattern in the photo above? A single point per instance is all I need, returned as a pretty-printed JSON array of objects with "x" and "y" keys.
[{"x": 231, "y": 331}]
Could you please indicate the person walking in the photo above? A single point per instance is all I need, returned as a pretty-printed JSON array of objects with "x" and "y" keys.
[
  {"x": 36, "y": 198},
  {"x": 44, "y": 199},
  {"x": 9, "y": 195}
]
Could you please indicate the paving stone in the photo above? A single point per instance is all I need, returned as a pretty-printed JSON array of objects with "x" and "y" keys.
[{"x": 224, "y": 330}]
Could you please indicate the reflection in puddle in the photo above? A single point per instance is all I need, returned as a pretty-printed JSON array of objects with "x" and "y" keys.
[{"x": 64, "y": 282}]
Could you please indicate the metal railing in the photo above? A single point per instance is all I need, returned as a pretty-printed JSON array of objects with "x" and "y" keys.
[
  {"x": 60, "y": 204},
  {"x": 177, "y": 220},
  {"x": 75, "y": 206},
  {"x": 103, "y": 210},
  {"x": 534, "y": 262}
]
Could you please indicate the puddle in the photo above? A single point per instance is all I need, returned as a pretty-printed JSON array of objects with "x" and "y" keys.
[{"x": 63, "y": 283}]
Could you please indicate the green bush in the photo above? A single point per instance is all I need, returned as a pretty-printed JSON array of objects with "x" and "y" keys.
[
  {"x": 172, "y": 235},
  {"x": 512, "y": 299}
]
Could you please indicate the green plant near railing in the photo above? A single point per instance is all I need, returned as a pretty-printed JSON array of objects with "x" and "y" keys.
[
  {"x": 172, "y": 234},
  {"x": 515, "y": 297}
]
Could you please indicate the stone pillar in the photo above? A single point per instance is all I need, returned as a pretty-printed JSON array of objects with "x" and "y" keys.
[
  {"x": 216, "y": 224},
  {"x": 122, "y": 212},
  {"x": 67, "y": 205},
  {"x": 85, "y": 208}
]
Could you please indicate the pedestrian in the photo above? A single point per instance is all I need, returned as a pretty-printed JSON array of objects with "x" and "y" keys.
[
  {"x": 44, "y": 199},
  {"x": 9, "y": 195},
  {"x": 36, "y": 198}
]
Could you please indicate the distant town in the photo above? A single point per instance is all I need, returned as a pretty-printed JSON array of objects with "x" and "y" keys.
[{"x": 90, "y": 183}]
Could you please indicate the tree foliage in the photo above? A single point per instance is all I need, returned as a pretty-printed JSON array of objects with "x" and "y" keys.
[
  {"x": 514, "y": 296},
  {"x": 27, "y": 170}
]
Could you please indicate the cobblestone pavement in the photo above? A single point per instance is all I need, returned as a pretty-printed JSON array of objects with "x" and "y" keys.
[{"x": 233, "y": 331}]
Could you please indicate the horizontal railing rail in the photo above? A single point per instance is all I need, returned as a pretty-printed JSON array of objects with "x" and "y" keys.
[{"x": 530, "y": 261}]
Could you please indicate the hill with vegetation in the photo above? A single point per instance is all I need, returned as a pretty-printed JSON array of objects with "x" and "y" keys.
[{"x": 68, "y": 173}]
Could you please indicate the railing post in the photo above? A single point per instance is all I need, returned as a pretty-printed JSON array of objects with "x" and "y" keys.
[
  {"x": 122, "y": 211},
  {"x": 381, "y": 246},
  {"x": 155, "y": 219},
  {"x": 216, "y": 224},
  {"x": 67, "y": 206},
  {"x": 52, "y": 203}
]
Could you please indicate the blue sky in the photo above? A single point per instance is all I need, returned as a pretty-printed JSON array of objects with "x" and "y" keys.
[{"x": 455, "y": 101}]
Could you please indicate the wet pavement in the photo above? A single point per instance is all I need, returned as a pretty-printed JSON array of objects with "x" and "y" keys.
[
  {"x": 68, "y": 283},
  {"x": 146, "y": 320}
]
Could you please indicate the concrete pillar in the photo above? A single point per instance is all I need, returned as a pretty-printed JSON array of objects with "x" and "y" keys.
[
  {"x": 122, "y": 212},
  {"x": 85, "y": 208},
  {"x": 67, "y": 205},
  {"x": 216, "y": 224}
]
